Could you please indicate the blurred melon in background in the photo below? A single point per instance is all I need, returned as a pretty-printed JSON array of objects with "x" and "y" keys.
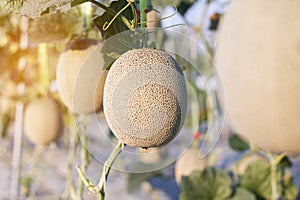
[{"x": 258, "y": 59}]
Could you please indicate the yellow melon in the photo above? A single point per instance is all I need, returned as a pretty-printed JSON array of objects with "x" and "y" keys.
[
  {"x": 258, "y": 60},
  {"x": 145, "y": 98},
  {"x": 80, "y": 77},
  {"x": 42, "y": 121}
]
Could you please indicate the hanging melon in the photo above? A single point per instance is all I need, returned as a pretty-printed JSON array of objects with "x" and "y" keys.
[
  {"x": 42, "y": 121},
  {"x": 145, "y": 98},
  {"x": 80, "y": 77},
  {"x": 258, "y": 57}
]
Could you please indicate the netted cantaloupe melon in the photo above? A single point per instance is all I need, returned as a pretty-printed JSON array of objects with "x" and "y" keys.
[
  {"x": 42, "y": 121},
  {"x": 145, "y": 98},
  {"x": 80, "y": 77},
  {"x": 258, "y": 60}
]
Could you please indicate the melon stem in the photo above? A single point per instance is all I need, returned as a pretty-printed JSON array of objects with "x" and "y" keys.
[
  {"x": 107, "y": 167},
  {"x": 73, "y": 141},
  {"x": 86, "y": 12},
  {"x": 143, "y": 19},
  {"x": 273, "y": 176},
  {"x": 84, "y": 156},
  {"x": 99, "y": 189},
  {"x": 143, "y": 8}
]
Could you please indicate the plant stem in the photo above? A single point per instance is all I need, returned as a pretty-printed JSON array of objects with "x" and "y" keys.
[
  {"x": 99, "y": 188},
  {"x": 273, "y": 176},
  {"x": 143, "y": 8},
  {"x": 107, "y": 167},
  {"x": 143, "y": 20},
  {"x": 86, "y": 12},
  {"x": 84, "y": 156},
  {"x": 108, "y": 24},
  {"x": 37, "y": 171},
  {"x": 70, "y": 190}
]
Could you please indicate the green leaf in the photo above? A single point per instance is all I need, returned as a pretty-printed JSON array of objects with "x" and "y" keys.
[
  {"x": 36, "y": 8},
  {"x": 11, "y": 6},
  {"x": 258, "y": 178},
  {"x": 285, "y": 162},
  {"x": 237, "y": 143},
  {"x": 116, "y": 46},
  {"x": 117, "y": 26},
  {"x": 209, "y": 184},
  {"x": 287, "y": 188},
  {"x": 244, "y": 194},
  {"x": 54, "y": 27}
]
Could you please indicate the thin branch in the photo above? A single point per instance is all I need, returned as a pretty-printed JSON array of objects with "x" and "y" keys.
[
  {"x": 143, "y": 7},
  {"x": 84, "y": 155},
  {"x": 108, "y": 24},
  {"x": 99, "y": 188},
  {"x": 273, "y": 176},
  {"x": 107, "y": 166}
]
